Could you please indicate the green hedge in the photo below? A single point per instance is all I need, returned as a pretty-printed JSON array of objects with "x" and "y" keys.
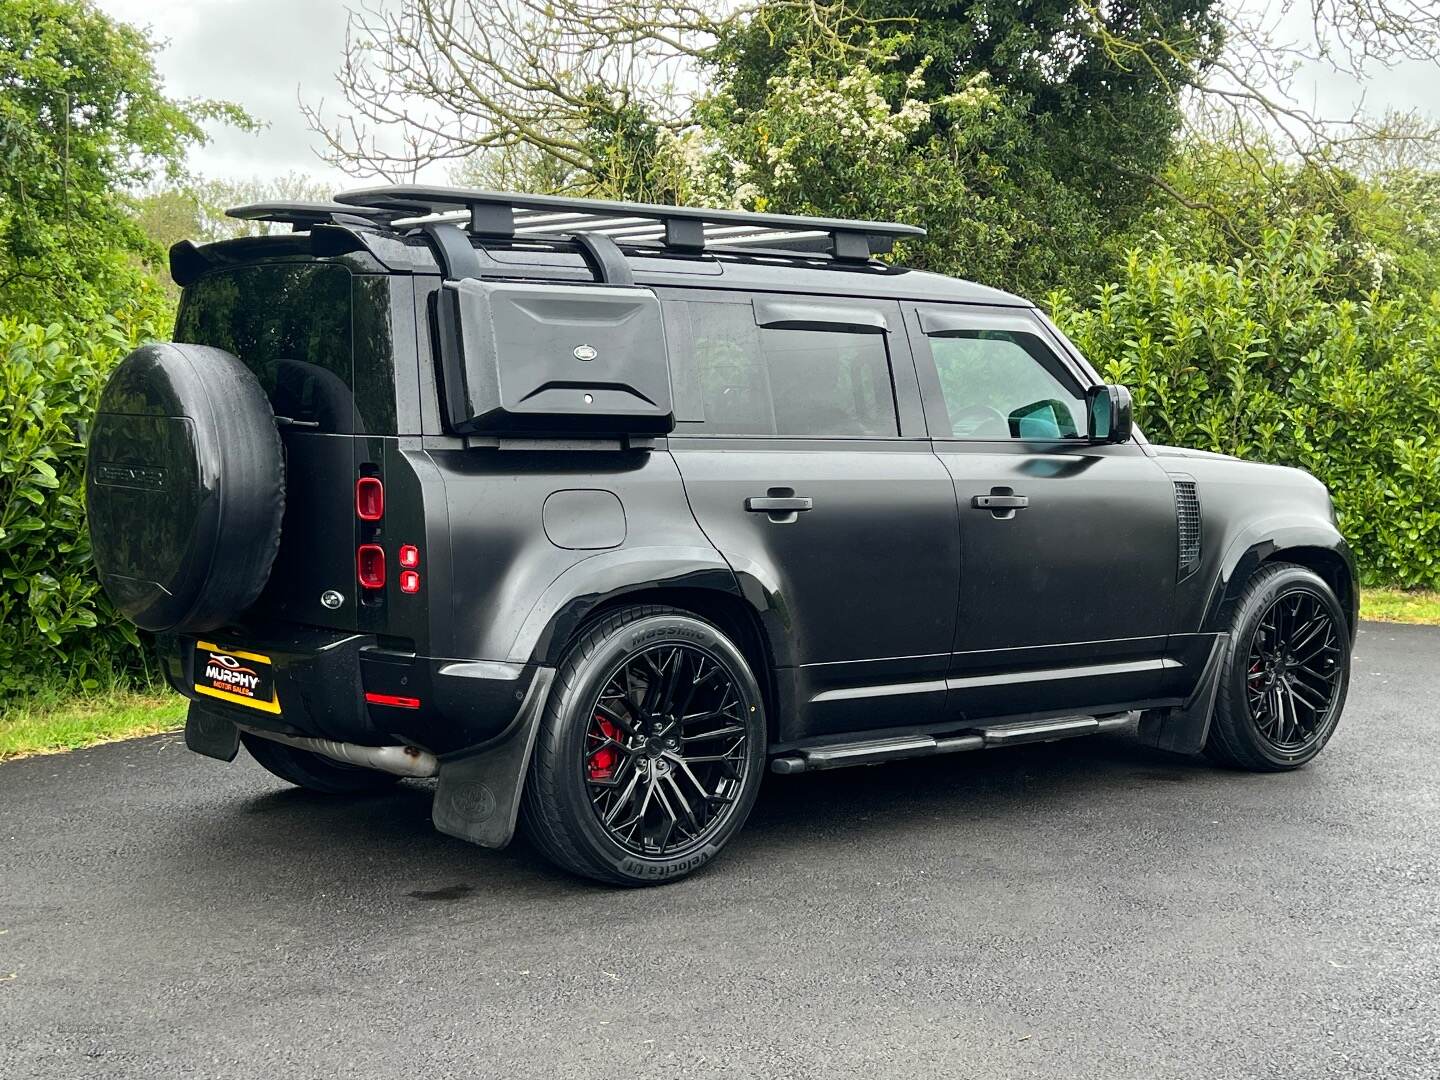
[
  {"x": 56, "y": 627},
  {"x": 1260, "y": 359}
]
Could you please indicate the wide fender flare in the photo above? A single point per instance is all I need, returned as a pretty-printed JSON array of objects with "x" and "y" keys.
[
  {"x": 593, "y": 581},
  {"x": 1259, "y": 541}
]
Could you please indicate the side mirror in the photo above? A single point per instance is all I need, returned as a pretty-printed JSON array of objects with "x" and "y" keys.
[{"x": 1109, "y": 408}]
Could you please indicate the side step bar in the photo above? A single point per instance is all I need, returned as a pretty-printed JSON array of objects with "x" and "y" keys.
[{"x": 981, "y": 738}]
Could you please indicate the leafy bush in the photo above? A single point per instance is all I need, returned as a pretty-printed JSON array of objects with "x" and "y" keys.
[
  {"x": 55, "y": 623},
  {"x": 1257, "y": 359}
]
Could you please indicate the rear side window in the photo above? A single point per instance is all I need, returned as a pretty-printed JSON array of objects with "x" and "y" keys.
[
  {"x": 732, "y": 377},
  {"x": 291, "y": 326}
]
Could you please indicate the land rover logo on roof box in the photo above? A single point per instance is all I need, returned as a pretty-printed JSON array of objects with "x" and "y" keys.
[{"x": 585, "y": 352}]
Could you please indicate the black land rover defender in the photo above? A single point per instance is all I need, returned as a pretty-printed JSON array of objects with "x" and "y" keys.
[{"x": 596, "y": 511}]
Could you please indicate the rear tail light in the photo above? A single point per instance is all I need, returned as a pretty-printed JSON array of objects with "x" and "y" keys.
[
  {"x": 369, "y": 498},
  {"x": 409, "y": 557},
  {"x": 409, "y": 581},
  {"x": 370, "y": 566}
]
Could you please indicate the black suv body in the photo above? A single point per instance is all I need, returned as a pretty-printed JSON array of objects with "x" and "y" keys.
[{"x": 826, "y": 511}]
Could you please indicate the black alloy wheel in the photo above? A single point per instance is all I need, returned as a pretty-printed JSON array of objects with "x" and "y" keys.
[
  {"x": 666, "y": 751},
  {"x": 651, "y": 750},
  {"x": 1294, "y": 670},
  {"x": 1286, "y": 675}
]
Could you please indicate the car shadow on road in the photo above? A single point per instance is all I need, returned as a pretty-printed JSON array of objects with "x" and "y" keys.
[{"x": 295, "y": 844}]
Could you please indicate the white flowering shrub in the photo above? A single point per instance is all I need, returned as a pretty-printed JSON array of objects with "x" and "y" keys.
[{"x": 842, "y": 142}]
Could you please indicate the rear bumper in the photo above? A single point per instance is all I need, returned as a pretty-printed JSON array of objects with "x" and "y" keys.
[{"x": 322, "y": 678}]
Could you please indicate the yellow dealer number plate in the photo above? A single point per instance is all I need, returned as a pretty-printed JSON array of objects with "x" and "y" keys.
[{"x": 243, "y": 678}]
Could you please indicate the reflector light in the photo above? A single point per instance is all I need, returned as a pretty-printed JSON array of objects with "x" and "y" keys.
[
  {"x": 409, "y": 556},
  {"x": 393, "y": 700},
  {"x": 409, "y": 581},
  {"x": 369, "y": 498},
  {"x": 370, "y": 566}
]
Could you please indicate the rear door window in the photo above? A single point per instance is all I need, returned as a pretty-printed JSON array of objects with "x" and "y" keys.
[
  {"x": 290, "y": 324},
  {"x": 734, "y": 377}
]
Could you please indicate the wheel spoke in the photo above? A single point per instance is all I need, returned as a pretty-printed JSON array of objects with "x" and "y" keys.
[
  {"x": 624, "y": 798},
  {"x": 684, "y": 803},
  {"x": 1307, "y": 633},
  {"x": 672, "y": 680},
  {"x": 1324, "y": 678},
  {"x": 1327, "y": 646},
  {"x": 1303, "y": 692},
  {"x": 718, "y": 733},
  {"x": 684, "y": 766},
  {"x": 658, "y": 790},
  {"x": 1294, "y": 706},
  {"x": 618, "y": 718}
]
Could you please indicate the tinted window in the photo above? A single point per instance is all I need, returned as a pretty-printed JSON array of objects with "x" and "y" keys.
[
  {"x": 1002, "y": 385},
  {"x": 736, "y": 378},
  {"x": 290, "y": 325}
]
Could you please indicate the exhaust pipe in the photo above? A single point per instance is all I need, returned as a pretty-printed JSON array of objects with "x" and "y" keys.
[{"x": 400, "y": 760}]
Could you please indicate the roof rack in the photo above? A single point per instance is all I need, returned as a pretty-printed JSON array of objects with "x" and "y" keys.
[{"x": 677, "y": 228}]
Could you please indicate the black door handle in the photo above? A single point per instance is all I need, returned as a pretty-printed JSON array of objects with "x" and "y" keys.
[
  {"x": 1000, "y": 502},
  {"x": 779, "y": 505}
]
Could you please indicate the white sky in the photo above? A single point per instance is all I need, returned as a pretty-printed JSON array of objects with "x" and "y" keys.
[{"x": 263, "y": 53}]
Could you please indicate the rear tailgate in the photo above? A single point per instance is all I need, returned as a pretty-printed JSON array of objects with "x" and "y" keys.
[{"x": 313, "y": 580}]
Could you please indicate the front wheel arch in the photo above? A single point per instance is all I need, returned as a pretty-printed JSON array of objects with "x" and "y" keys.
[
  {"x": 1333, "y": 569},
  {"x": 1320, "y": 549}
]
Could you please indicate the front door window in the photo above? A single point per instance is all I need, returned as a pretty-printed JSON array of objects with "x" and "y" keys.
[{"x": 1003, "y": 384}]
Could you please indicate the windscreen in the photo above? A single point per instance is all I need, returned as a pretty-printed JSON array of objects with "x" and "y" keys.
[{"x": 288, "y": 323}]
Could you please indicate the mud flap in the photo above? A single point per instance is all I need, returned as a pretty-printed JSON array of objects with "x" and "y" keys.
[
  {"x": 1183, "y": 729},
  {"x": 210, "y": 734},
  {"x": 478, "y": 798}
]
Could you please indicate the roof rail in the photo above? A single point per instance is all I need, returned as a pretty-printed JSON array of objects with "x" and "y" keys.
[
  {"x": 305, "y": 215},
  {"x": 677, "y": 228}
]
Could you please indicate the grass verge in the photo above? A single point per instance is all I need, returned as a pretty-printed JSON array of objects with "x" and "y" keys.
[
  {"x": 1401, "y": 605},
  {"x": 50, "y": 722}
]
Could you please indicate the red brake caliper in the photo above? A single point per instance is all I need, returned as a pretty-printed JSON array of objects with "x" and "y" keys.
[{"x": 602, "y": 761}]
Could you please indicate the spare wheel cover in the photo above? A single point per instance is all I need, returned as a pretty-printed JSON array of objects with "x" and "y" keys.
[{"x": 185, "y": 482}]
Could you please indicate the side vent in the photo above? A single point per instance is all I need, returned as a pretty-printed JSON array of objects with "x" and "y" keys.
[{"x": 1187, "y": 516}]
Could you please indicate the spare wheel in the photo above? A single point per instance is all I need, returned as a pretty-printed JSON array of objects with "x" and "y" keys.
[{"x": 185, "y": 483}]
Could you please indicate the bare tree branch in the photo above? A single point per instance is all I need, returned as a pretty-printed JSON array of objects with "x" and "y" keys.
[{"x": 440, "y": 80}]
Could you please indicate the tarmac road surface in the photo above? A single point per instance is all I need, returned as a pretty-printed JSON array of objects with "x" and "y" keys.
[{"x": 1084, "y": 909}]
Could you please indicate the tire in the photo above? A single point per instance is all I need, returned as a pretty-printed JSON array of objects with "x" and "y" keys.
[
  {"x": 1268, "y": 711},
  {"x": 315, "y": 772},
  {"x": 697, "y": 673},
  {"x": 185, "y": 488}
]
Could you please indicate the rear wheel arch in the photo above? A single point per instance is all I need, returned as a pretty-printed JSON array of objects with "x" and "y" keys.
[{"x": 728, "y": 612}]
